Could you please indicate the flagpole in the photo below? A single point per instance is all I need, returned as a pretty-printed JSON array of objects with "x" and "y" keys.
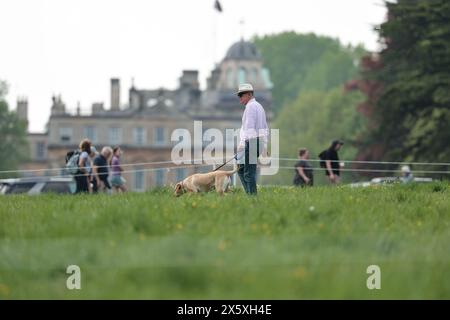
[
  {"x": 218, "y": 10},
  {"x": 214, "y": 44}
]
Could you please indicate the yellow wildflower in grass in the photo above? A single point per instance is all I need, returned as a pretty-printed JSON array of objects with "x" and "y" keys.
[
  {"x": 299, "y": 273},
  {"x": 4, "y": 290},
  {"x": 248, "y": 279},
  {"x": 222, "y": 245}
]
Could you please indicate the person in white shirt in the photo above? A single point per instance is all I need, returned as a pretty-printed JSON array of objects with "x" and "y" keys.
[{"x": 253, "y": 137}]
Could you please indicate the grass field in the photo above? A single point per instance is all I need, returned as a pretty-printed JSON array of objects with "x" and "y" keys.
[{"x": 285, "y": 243}]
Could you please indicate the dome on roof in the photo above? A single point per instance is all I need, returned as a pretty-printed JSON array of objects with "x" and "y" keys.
[{"x": 243, "y": 50}]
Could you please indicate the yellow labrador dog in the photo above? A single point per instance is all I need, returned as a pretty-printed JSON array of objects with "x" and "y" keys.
[{"x": 203, "y": 182}]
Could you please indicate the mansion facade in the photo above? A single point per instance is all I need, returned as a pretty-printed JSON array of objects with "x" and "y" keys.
[{"x": 144, "y": 124}]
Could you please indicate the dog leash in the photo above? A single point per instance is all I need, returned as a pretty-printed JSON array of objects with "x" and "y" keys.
[{"x": 224, "y": 163}]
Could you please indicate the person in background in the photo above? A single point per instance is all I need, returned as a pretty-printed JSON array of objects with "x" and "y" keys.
[
  {"x": 100, "y": 169},
  {"x": 332, "y": 166},
  {"x": 407, "y": 176},
  {"x": 117, "y": 181},
  {"x": 92, "y": 181},
  {"x": 303, "y": 170},
  {"x": 84, "y": 164}
]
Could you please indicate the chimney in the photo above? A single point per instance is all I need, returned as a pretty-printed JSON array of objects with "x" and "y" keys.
[
  {"x": 97, "y": 108},
  {"x": 189, "y": 79},
  {"x": 22, "y": 109},
  {"x": 115, "y": 94}
]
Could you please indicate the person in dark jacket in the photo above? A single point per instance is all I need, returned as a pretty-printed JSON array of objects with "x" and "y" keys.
[
  {"x": 100, "y": 169},
  {"x": 332, "y": 166}
]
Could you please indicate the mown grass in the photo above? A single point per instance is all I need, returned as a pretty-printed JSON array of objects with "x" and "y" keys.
[{"x": 286, "y": 243}]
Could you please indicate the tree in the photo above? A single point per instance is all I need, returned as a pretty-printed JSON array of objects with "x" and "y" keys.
[
  {"x": 299, "y": 62},
  {"x": 410, "y": 109},
  {"x": 13, "y": 133}
]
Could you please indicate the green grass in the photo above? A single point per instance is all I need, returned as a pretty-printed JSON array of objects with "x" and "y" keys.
[{"x": 273, "y": 246}]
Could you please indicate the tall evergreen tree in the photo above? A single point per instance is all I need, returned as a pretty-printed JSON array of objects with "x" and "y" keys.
[{"x": 408, "y": 84}]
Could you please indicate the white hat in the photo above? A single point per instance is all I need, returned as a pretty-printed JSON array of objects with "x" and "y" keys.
[{"x": 245, "y": 87}]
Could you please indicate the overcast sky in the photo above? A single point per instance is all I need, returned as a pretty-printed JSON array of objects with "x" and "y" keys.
[{"x": 73, "y": 48}]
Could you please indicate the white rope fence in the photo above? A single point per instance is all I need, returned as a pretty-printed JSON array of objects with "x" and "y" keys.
[
  {"x": 168, "y": 168},
  {"x": 377, "y": 162},
  {"x": 375, "y": 170},
  {"x": 221, "y": 160},
  {"x": 125, "y": 171}
]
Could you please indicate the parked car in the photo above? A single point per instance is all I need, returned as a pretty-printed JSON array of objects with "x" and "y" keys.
[
  {"x": 37, "y": 185},
  {"x": 390, "y": 180},
  {"x": 387, "y": 181}
]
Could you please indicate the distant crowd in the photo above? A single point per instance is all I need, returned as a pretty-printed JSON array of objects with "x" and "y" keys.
[{"x": 95, "y": 171}]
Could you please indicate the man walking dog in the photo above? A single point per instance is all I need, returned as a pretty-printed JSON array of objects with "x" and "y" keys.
[{"x": 253, "y": 137}]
